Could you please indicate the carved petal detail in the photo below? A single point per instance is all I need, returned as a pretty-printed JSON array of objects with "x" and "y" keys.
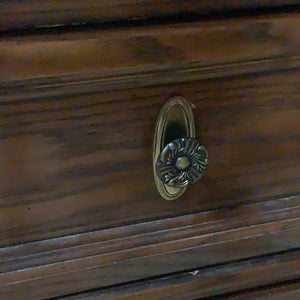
[{"x": 183, "y": 161}]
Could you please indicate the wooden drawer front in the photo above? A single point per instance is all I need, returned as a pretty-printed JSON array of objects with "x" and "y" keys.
[
  {"x": 78, "y": 114},
  {"x": 76, "y": 150},
  {"x": 79, "y": 163}
]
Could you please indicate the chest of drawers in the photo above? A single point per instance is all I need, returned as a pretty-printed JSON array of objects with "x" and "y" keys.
[{"x": 80, "y": 215}]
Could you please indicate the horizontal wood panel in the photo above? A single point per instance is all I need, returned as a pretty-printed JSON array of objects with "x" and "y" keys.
[
  {"x": 207, "y": 224},
  {"x": 78, "y": 113},
  {"x": 136, "y": 50},
  {"x": 211, "y": 281},
  {"x": 22, "y": 14},
  {"x": 79, "y": 163},
  {"x": 76, "y": 152},
  {"x": 97, "y": 259},
  {"x": 279, "y": 291}
]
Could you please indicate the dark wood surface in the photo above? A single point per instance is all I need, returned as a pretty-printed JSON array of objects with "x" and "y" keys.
[
  {"x": 78, "y": 205},
  {"x": 193, "y": 47},
  {"x": 75, "y": 158},
  {"x": 280, "y": 291},
  {"x": 208, "y": 283},
  {"x": 102, "y": 258},
  {"x": 84, "y": 162},
  {"x": 28, "y": 13}
]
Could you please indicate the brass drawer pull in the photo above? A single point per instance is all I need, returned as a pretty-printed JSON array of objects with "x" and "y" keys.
[
  {"x": 183, "y": 161},
  {"x": 178, "y": 158}
]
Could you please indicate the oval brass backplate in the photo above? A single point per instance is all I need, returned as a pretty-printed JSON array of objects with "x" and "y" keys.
[{"x": 175, "y": 121}]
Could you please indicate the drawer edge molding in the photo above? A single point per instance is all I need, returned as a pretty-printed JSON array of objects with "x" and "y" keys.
[
  {"x": 89, "y": 83},
  {"x": 233, "y": 280},
  {"x": 132, "y": 252},
  {"x": 150, "y": 55},
  {"x": 22, "y": 15}
]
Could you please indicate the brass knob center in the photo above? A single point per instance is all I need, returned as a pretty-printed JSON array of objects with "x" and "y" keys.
[{"x": 182, "y": 163}]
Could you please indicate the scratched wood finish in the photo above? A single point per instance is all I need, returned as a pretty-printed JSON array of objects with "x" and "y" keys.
[
  {"x": 212, "y": 281},
  {"x": 27, "y": 13},
  {"x": 103, "y": 258}
]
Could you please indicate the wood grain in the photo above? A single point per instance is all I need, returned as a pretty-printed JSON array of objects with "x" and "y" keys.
[
  {"x": 21, "y": 14},
  {"x": 279, "y": 291},
  {"x": 78, "y": 113},
  {"x": 211, "y": 281},
  {"x": 84, "y": 162},
  {"x": 137, "y": 50},
  {"x": 97, "y": 259},
  {"x": 80, "y": 134}
]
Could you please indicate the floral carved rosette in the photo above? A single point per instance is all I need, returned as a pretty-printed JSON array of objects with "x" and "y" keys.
[{"x": 183, "y": 161}]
